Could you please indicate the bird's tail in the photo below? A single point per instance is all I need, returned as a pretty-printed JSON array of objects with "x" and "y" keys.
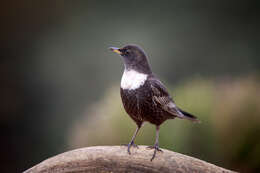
[{"x": 189, "y": 116}]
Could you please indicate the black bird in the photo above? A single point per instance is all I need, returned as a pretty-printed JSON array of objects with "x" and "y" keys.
[{"x": 144, "y": 96}]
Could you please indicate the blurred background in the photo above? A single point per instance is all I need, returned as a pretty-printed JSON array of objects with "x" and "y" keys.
[{"x": 59, "y": 84}]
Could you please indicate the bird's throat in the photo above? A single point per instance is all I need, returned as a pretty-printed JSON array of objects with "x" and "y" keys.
[{"x": 132, "y": 79}]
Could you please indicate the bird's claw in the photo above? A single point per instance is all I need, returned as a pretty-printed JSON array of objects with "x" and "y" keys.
[
  {"x": 131, "y": 144},
  {"x": 156, "y": 148}
]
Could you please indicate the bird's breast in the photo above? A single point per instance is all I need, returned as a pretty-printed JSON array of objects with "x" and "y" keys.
[{"x": 132, "y": 79}]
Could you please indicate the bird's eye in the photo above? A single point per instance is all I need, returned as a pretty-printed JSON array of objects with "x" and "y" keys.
[{"x": 126, "y": 52}]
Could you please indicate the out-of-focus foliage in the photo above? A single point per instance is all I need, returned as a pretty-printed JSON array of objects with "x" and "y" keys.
[
  {"x": 229, "y": 110},
  {"x": 54, "y": 63},
  {"x": 236, "y": 119}
]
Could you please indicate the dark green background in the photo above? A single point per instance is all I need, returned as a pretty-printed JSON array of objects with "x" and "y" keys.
[{"x": 55, "y": 62}]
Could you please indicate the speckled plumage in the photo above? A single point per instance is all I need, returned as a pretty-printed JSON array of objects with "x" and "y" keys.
[
  {"x": 143, "y": 95},
  {"x": 141, "y": 105}
]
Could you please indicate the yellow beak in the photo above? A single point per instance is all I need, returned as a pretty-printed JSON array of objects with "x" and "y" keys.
[{"x": 115, "y": 49}]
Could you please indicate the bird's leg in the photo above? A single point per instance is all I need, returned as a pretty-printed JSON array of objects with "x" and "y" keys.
[
  {"x": 156, "y": 144},
  {"x": 131, "y": 143}
]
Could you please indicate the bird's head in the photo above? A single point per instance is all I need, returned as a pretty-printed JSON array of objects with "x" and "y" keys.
[{"x": 134, "y": 58}]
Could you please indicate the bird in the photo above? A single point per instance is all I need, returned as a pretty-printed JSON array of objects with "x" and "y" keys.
[{"x": 144, "y": 97}]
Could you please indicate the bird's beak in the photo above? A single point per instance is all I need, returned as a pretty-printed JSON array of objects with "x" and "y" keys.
[{"x": 116, "y": 50}]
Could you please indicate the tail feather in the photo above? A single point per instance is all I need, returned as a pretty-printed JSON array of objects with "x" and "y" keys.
[{"x": 189, "y": 116}]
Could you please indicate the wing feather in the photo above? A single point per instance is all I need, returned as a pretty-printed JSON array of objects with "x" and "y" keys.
[{"x": 162, "y": 98}]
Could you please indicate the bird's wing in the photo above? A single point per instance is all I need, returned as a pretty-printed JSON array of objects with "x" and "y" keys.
[{"x": 162, "y": 98}]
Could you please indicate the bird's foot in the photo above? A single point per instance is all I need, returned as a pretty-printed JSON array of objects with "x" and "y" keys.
[
  {"x": 156, "y": 148},
  {"x": 131, "y": 144}
]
